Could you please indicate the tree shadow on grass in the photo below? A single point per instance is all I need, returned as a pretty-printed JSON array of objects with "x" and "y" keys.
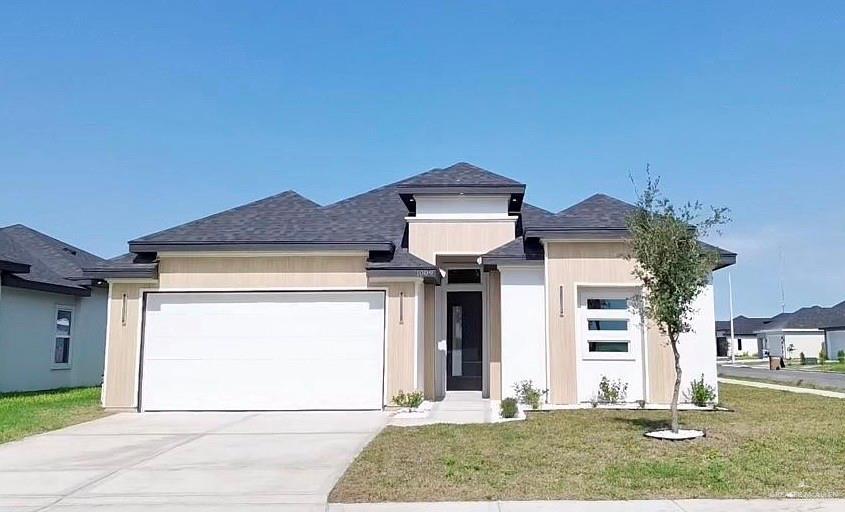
[{"x": 645, "y": 423}]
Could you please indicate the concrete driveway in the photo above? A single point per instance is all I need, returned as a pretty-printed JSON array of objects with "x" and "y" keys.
[{"x": 185, "y": 461}]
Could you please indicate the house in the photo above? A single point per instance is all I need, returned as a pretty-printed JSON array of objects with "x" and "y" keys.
[
  {"x": 443, "y": 281},
  {"x": 744, "y": 341},
  {"x": 52, "y": 318},
  {"x": 834, "y": 336},
  {"x": 789, "y": 335}
]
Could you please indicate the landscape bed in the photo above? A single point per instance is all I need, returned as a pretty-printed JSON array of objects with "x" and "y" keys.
[
  {"x": 28, "y": 413},
  {"x": 771, "y": 444}
]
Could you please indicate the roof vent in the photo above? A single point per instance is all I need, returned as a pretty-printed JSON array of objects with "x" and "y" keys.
[{"x": 66, "y": 249}]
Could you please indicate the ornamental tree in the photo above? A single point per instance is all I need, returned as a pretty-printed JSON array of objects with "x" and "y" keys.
[{"x": 672, "y": 264}]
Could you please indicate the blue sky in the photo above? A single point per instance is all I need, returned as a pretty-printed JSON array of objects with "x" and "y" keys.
[{"x": 117, "y": 120}]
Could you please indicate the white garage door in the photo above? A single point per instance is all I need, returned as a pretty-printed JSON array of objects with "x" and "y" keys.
[{"x": 263, "y": 351}]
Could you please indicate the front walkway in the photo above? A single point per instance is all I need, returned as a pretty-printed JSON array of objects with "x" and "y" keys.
[
  {"x": 602, "y": 506},
  {"x": 186, "y": 461},
  {"x": 456, "y": 407}
]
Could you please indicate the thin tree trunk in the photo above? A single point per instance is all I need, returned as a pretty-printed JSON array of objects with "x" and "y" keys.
[{"x": 677, "y": 391}]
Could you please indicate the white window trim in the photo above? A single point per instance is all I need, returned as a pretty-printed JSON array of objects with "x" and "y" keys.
[
  {"x": 62, "y": 366},
  {"x": 605, "y": 335}
]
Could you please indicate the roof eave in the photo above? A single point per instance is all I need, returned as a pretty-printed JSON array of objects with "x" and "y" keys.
[
  {"x": 17, "y": 282},
  {"x": 137, "y": 246},
  {"x": 504, "y": 261},
  {"x": 577, "y": 234},
  {"x": 14, "y": 267},
  {"x": 144, "y": 271},
  {"x": 428, "y": 275}
]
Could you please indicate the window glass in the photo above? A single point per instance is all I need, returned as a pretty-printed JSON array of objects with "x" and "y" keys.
[
  {"x": 63, "y": 318},
  {"x": 464, "y": 276},
  {"x": 60, "y": 356},
  {"x": 61, "y": 347},
  {"x": 608, "y": 346},
  {"x": 607, "y": 303},
  {"x": 607, "y": 325}
]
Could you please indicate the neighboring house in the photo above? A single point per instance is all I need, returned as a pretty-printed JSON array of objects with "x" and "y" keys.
[
  {"x": 744, "y": 341},
  {"x": 443, "y": 281},
  {"x": 52, "y": 319},
  {"x": 834, "y": 339},
  {"x": 790, "y": 334}
]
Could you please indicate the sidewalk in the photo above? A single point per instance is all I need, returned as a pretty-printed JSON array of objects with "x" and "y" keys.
[
  {"x": 830, "y": 505},
  {"x": 779, "y": 387}
]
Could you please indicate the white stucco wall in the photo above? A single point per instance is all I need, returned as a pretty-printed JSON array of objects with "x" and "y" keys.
[
  {"x": 698, "y": 352},
  {"x": 625, "y": 367},
  {"x": 749, "y": 345},
  {"x": 523, "y": 327},
  {"x": 462, "y": 207},
  {"x": 835, "y": 342},
  {"x": 27, "y": 339},
  {"x": 809, "y": 342}
]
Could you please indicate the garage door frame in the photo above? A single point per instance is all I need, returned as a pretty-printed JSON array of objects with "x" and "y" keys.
[{"x": 145, "y": 293}]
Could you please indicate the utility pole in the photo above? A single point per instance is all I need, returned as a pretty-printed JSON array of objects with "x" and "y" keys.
[{"x": 731, "y": 304}]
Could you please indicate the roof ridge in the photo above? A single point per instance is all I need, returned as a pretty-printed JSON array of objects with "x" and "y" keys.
[
  {"x": 594, "y": 196},
  {"x": 288, "y": 192}
]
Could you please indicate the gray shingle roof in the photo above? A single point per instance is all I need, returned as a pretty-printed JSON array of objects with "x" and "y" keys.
[
  {"x": 516, "y": 251},
  {"x": 459, "y": 174},
  {"x": 373, "y": 217},
  {"x": 598, "y": 211},
  {"x": 285, "y": 217},
  {"x": 52, "y": 262},
  {"x": 815, "y": 317},
  {"x": 742, "y": 324}
]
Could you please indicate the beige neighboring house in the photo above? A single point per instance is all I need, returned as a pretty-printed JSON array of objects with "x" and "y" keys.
[{"x": 443, "y": 281}]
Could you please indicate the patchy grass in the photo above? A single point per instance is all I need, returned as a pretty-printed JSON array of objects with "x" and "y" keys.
[
  {"x": 28, "y": 413},
  {"x": 773, "y": 444},
  {"x": 833, "y": 367}
]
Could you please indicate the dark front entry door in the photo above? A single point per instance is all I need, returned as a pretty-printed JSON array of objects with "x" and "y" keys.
[{"x": 463, "y": 335}]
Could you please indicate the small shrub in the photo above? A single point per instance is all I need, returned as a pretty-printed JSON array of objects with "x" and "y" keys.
[
  {"x": 529, "y": 395},
  {"x": 803, "y": 358},
  {"x": 840, "y": 356},
  {"x": 408, "y": 400},
  {"x": 508, "y": 408},
  {"x": 822, "y": 356},
  {"x": 612, "y": 392},
  {"x": 700, "y": 393}
]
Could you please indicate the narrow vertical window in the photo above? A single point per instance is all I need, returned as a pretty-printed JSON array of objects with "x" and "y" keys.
[
  {"x": 560, "y": 299},
  {"x": 61, "y": 347},
  {"x": 123, "y": 311},
  {"x": 401, "y": 308}
]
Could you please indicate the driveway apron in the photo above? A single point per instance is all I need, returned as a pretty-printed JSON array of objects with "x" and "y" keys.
[{"x": 186, "y": 461}]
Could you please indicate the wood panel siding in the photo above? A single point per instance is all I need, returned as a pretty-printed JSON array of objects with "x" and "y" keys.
[
  {"x": 265, "y": 272},
  {"x": 123, "y": 338},
  {"x": 494, "y": 308},
  {"x": 427, "y": 239},
  {"x": 429, "y": 341},
  {"x": 661, "y": 366},
  {"x": 401, "y": 339},
  {"x": 600, "y": 263}
]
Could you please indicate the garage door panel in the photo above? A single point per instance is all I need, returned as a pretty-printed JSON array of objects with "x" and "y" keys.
[
  {"x": 255, "y": 385},
  {"x": 263, "y": 351}
]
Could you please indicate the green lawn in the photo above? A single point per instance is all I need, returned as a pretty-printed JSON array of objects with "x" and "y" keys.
[
  {"x": 834, "y": 367},
  {"x": 773, "y": 444},
  {"x": 827, "y": 367},
  {"x": 25, "y": 414}
]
